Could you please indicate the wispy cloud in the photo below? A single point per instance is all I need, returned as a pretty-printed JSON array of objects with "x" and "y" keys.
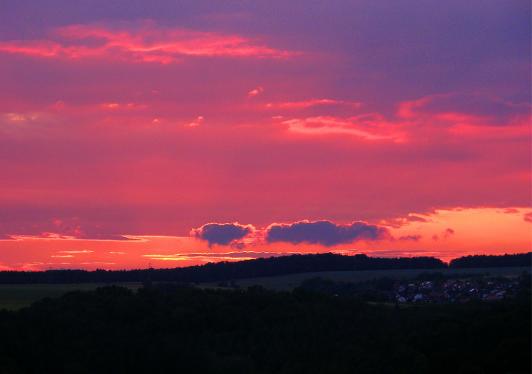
[
  {"x": 196, "y": 122},
  {"x": 77, "y": 251},
  {"x": 256, "y": 91},
  {"x": 367, "y": 127},
  {"x": 217, "y": 256},
  {"x": 310, "y": 103},
  {"x": 145, "y": 42}
]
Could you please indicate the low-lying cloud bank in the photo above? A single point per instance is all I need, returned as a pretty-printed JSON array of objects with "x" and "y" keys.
[
  {"x": 325, "y": 233},
  {"x": 222, "y": 233}
]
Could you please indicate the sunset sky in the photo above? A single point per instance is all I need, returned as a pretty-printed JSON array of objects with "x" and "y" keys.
[{"x": 169, "y": 133}]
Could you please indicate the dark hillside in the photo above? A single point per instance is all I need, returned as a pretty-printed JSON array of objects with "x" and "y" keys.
[{"x": 188, "y": 330}]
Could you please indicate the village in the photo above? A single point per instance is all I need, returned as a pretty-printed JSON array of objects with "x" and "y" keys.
[{"x": 456, "y": 290}]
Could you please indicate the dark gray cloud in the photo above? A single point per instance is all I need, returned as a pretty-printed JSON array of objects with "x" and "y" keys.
[
  {"x": 414, "y": 238},
  {"x": 222, "y": 233},
  {"x": 448, "y": 232},
  {"x": 324, "y": 232},
  {"x": 444, "y": 235}
]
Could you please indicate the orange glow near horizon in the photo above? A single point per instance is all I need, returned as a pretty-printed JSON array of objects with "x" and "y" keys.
[{"x": 444, "y": 234}]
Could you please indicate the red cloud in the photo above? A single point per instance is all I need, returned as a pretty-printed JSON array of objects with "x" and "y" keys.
[{"x": 147, "y": 43}]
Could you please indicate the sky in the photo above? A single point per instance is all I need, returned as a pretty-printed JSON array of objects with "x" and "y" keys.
[{"x": 165, "y": 134}]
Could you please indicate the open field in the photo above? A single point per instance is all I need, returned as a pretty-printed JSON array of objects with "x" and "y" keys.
[
  {"x": 16, "y": 296},
  {"x": 291, "y": 281}
]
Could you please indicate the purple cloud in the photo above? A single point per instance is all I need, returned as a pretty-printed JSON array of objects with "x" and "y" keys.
[
  {"x": 222, "y": 233},
  {"x": 324, "y": 232}
]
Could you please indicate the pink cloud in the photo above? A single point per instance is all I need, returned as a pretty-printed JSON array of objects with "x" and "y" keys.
[
  {"x": 196, "y": 122},
  {"x": 140, "y": 43},
  {"x": 115, "y": 106},
  {"x": 256, "y": 91},
  {"x": 368, "y": 127},
  {"x": 398, "y": 222},
  {"x": 460, "y": 109}
]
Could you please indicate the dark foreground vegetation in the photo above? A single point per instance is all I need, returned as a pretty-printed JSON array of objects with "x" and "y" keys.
[
  {"x": 264, "y": 267},
  {"x": 169, "y": 329}
]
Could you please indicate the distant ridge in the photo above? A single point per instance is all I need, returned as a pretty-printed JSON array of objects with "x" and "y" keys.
[
  {"x": 263, "y": 267},
  {"x": 485, "y": 261}
]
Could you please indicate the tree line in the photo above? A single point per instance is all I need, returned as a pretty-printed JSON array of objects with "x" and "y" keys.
[
  {"x": 484, "y": 261},
  {"x": 262, "y": 267}
]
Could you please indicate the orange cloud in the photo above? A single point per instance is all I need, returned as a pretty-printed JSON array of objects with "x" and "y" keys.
[
  {"x": 310, "y": 103},
  {"x": 77, "y": 252},
  {"x": 197, "y": 257},
  {"x": 147, "y": 43},
  {"x": 367, "y": 127}
]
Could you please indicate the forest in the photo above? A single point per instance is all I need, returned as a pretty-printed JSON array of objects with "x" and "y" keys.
[
  {"x": 178, "y": 329},
  {"x": 485, "y": 261}
]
